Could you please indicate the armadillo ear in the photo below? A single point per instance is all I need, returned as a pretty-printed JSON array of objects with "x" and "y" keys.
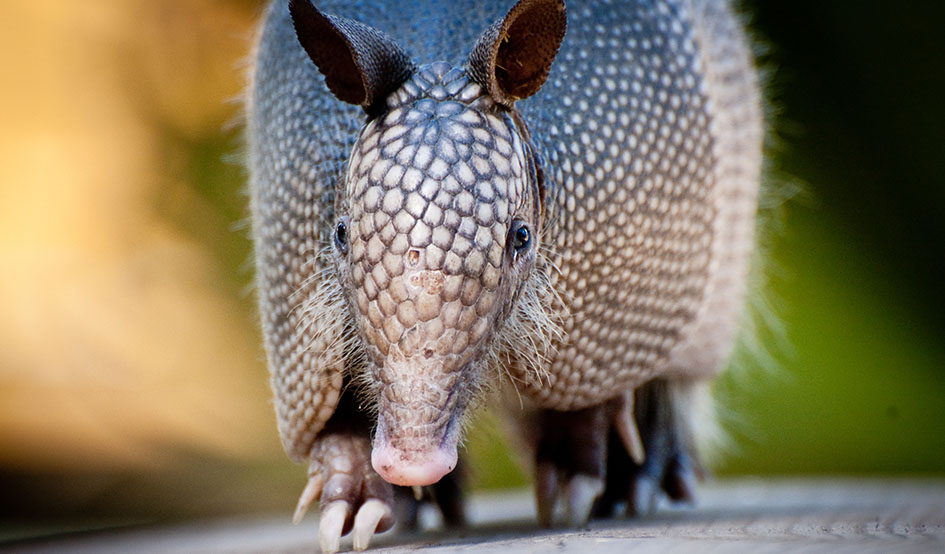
[
  {"x": 513, "y": 57},
  {"x": 361, "y": 65}
]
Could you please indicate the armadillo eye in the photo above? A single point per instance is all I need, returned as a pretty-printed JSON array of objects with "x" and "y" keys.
[
  {"x": 521, "y": 237},
  {"x": 341, "y": 236}
]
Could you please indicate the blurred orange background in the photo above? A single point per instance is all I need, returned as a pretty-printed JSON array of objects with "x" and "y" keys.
[{"x": 128, "y": 333}]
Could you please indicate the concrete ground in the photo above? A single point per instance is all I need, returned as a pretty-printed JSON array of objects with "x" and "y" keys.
[{"x": 859, "y": 516}]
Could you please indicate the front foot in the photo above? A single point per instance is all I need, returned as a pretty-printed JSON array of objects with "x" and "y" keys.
[
  {"x": 351, "y": 495},
  {"x": 570, "y": 461}
]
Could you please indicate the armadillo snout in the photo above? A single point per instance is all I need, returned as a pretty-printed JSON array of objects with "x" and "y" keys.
[
  {"x": 412, "y": 471},
  {"x": 419, "y": 406}
]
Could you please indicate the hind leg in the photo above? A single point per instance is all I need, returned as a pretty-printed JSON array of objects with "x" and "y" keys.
[
  {"x": 670, "y": 467},
  {"x": 625, "y": 453}
]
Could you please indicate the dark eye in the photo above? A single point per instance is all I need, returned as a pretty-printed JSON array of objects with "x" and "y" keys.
[
  {"x": 341, "y": 235},
  {"x": 520, "y": 237}
]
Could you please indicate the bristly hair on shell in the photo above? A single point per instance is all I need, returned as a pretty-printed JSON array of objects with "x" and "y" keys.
[{"x": 325, "y": 320}]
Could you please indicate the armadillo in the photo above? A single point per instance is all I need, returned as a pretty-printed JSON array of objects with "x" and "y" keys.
[{"x": 455, "y": 200}]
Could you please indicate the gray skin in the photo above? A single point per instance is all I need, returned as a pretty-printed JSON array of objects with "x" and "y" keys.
[{"x": 564, "y": 208}]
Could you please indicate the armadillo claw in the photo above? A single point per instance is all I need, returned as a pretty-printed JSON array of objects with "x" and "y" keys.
[
  {"x": 374, "y": 516},
  {"x": 643, "y": 496},
  {"x": 680, "y": 478},
  {"x": 313, "y": 489},
  {"x": 331, "y": 525},
  {"x": 583, "y": 491},
  {"x": 625, "y": 424},
  {"x": 373, "y": 513}
]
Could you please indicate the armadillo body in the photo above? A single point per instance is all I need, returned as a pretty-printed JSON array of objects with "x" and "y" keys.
[{"x": 576, "y": 229}]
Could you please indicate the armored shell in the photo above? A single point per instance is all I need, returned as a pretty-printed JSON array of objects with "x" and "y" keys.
[{"x": 639, "y": 155}]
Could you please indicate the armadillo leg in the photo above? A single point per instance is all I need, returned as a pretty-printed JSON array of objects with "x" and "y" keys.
[
  {"x": 670, "y": 465},
  {"x": 570, "y": 461}
]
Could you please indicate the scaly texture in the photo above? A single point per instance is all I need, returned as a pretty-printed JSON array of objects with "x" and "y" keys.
[
  {"x": 582, "y": 235},
  {"x": 293, "y": 154},
  {"x": 623, "y": 123}
]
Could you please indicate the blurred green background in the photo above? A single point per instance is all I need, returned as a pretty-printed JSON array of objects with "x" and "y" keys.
[{"x": 132, "y": 381}]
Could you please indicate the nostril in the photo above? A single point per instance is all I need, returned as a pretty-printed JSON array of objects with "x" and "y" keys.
[
  {"x": 428, "y": 353},
  {"x": 413, "y": 257}
]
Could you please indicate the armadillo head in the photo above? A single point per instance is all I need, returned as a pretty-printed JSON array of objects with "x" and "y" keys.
[{"x": 437, "y": 218}]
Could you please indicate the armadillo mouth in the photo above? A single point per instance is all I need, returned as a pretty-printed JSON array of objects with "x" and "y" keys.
[{"x": 423, "y": 460}]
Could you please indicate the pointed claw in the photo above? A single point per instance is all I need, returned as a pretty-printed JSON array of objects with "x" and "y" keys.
[
  {"x": 312, "y": 491},
  {"x": 627, "y": 429},
  {"x": 546, "y": 491},
  {"x": 331, "y": 524},
  {"x": 680, "y": 479},
  {"x": 366, "y": 522},
  {"x": 642, "y": 497},
  {"x": 583, "y": 490}
]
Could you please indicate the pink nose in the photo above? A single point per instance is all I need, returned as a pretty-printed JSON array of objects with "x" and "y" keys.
[{"x": 417, "y": 469}]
